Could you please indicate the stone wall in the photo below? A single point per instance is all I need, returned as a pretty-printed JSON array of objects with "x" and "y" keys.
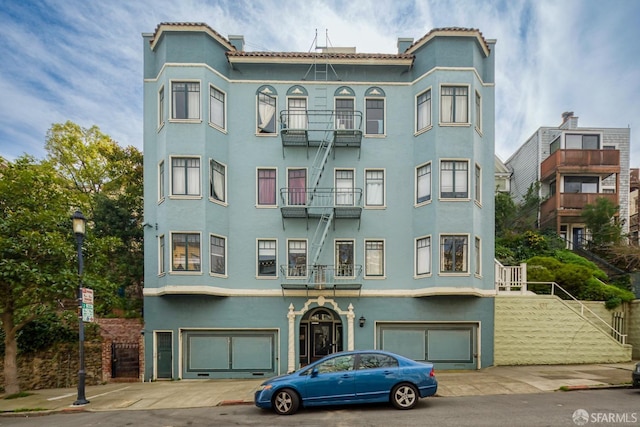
[
  {"x": 633, "y": 328},
  {"x": 541, "y": 329}
]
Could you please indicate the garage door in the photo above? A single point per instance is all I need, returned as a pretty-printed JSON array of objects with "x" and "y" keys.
[
  {"x": 448, "y": 346},
  {"x": 229, "y": 354}
]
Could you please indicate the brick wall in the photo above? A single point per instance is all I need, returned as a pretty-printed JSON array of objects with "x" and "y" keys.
[
  {"x": 121, "y": 331},
  {"x": 541, "y": 329}
]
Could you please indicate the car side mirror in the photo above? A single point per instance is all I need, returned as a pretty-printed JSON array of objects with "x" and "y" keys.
[{"x": 314, "y": 373}]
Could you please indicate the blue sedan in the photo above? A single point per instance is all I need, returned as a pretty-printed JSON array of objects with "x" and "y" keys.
[{"x": 362, "y": 376}]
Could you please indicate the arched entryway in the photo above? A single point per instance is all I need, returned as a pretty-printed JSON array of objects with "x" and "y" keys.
[{"x": 321, "y": 334}]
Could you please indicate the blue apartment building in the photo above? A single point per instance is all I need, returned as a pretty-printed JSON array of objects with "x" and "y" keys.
[{"x": 303, "y": 203}]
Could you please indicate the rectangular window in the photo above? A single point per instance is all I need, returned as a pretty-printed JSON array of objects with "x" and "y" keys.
[
  {"x": 423, "y": 119},
  {"x": 297, "y": 257},
  {"x": 266, "y": 187},
  {"x": 344, "y": 188},
  {"x": 186, "y": 100},
  {"x": 185, "y": 252},
  {"x": 267, "y": 258},
  {"x": 374, "y": 187},
  {"x": 423, "y": 183},
  {"x": 216, "y": 108},
  {"x": 161, "y": 107},
  {"x": 161, "y": 180},
  {"x": 453, "y": 254},
  {"x": 266, "y": 114},
  {"x": 478, "y": 257},
  {"x": 454, "y": 179},
  {"x": 581, "y": 142},
  {"x": 478, "y": 184},
  {"x": 218, "y": 185},
  {"x": 478, "y": 112},
  {"x": 374, "y": 258},
  {"x": 423, "y": 256},
  {"x": 581, "y": 184},
  {"x": 375, "y": 116},
  {"x": 454, "y": 104},
  {"x": 185, "y": 176},
  {"x": 344, "y": 114},
  {"x": 297, "y": 186},
  {"x": 161, "y": 255},
  {"x": 297, "y": 113},
  {"x": 344, "y": 258},
  {"x": 218, "y": 255}
]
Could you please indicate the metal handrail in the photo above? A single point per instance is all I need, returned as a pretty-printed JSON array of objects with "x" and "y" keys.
[
  {"x": 321, "y": 274},
  {"x": 317, "y": 120},
  {"x": 321, "y": 197}
]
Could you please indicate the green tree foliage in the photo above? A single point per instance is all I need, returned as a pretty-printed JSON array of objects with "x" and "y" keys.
[
  {"x": 505, "y": 212},
  {"x": 601, "y": 222},
  {"x": 36, "y": 252}
]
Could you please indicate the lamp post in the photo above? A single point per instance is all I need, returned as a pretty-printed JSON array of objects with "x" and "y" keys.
[{"x": 79, "y": 223}]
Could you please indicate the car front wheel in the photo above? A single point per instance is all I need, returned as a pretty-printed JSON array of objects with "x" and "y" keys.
[
  {"x": 404, "y": 396},
  {"x": 286, "y": 402}
]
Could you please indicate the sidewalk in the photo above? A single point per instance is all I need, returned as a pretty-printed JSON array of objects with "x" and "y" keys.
[{"x": 205, "y": 393}]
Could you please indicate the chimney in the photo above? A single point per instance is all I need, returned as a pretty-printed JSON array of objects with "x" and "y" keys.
[
  {"x": 403, "y": 44},
  {"x": 569, "y": 121},
  {"x": 237, "y": 42}
]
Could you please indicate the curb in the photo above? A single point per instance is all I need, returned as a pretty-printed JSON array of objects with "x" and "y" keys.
[
  {"x": 235, "y": 402},
  {"x": 592, "y": 387}
]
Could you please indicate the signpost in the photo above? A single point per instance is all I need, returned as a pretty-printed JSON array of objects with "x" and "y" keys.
[{"x": 87, "y": 305}]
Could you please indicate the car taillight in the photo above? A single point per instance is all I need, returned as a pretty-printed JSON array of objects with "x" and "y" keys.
[{"x": 432, "y": 373}]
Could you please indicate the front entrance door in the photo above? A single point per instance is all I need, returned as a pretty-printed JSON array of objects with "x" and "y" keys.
[
  {"x": 320, "y": 335},
  {"x": 163, "y": 355},
  {"x": 578, "y": 237}
]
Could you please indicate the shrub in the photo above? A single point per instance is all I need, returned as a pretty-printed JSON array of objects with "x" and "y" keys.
[{"x": 566, "y": 256}]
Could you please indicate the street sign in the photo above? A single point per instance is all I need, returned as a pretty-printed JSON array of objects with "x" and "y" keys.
[{"x": 87, "y": 305}]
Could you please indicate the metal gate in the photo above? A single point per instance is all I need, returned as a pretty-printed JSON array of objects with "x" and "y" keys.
[{"x": 125, "y": 360}]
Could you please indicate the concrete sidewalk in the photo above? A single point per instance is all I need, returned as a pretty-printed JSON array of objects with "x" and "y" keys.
[{"x": 204, "y": 393}]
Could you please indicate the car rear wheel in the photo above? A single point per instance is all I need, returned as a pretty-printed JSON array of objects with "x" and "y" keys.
[
  {"x": 404, "y": 396},
  {"x": 286, "y": 402}
]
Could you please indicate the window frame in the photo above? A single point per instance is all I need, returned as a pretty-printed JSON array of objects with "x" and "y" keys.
[
  {"x": 186, "y": 194},
  {"x": 344, "y": 111},
  {"x": 417, "y": 201},
  {"x": 416, "y": 251},
  {"x": 162, "y": 97},
  {"x": 465, "y": 255},
  {"x": 212, "y": 182},
  {"x": 161, "y": 177},
  {"x": 478, "y": 112},
  {"x": 384, "y": 116},
  {"x": 304, "y": 118},
  {"x": 383, "y": 263},
  {"x": 367, "y": 181},
  {"x": 429, "y": 125},
  {"x": 463, "y": 195},
  {"x": 477, "y": 196},
  {"x": 351, "y": 193},
  {"x": 161, "y": 255},
  {"x": 290, "y": 269},
  {"x": 478, "y": 256},
  {"x": 186, "y": 270},
  {"x": 173, "y": 102},
  {"x": 299, "y": 199},
  {"x": 224, "y": 274},
  {"x": 275, "y": 248},
  {"x": 267, "y": 93},
  {"x": 454, "y": 105},
  {"x": 336, "y": 251},
  {"x": 220, "y": 126},
  {"x": 275, "y": 187}
]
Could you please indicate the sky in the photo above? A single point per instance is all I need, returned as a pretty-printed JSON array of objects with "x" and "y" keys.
[{"x": 81, "y": 60}]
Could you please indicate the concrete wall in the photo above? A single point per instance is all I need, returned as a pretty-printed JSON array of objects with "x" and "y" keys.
[
  {"x": 633, "y": 328},
  {"x": 541, "y": 329}
]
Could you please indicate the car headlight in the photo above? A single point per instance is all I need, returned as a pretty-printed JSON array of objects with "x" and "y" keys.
[{"x": 265, "y": 387}]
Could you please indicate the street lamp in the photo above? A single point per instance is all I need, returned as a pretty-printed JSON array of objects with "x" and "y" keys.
[{"x": 79, "y": 223}]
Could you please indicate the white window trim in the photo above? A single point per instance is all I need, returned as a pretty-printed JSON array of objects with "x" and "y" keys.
[
  {"x": 384, "y": 189},
  {"x": 468, "y": 267},
  {"x": 170, "y": 118},
  {"x": 277, "y": 275},
  {"x": 580, "y": 132},
  {"x": 454, "y": 124},
  {"x": 353, "y": 189},
  {"x": 415, "y": 257},
  {"x": 277, "y": 119},
  {"x": 162, "y": 270},
  {"x": 226, "y": 180},
  {"x": 469, "y": 189},
  {"x": 306, "y": 241},
  {"x": 306, "y": 100},
  {"x": 478, "y": 113},
  {"x": 477, "y": 257},
  {"x": 384, "y": 259},
  {"x": 478, "y": 185},
  {"x": 161, "y": 108},
  {"x": 162, "y": 181},
  {"x": 170, "y": 189},
  {"x": 170, "y": 260},
  {"x": 222, "y": 129},
  {"x": 342, "y": 98},
  {"x": 384, "y": 117},
  {"x": 257, "y": 205},
  {"x": 417, "y": 131},
  {"x": 335, "y": 259},
  {"x": 226, "y": 256},
  {"x": 415, "y": 185}
]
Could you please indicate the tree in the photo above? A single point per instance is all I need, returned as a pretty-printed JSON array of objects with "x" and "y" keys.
[
  {"x": 36, "y": 251},
  {"x": 505, "y": 214},
  {"x": 601, "y": 222}
]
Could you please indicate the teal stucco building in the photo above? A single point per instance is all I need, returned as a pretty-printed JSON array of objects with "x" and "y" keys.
[{"x": 299, "y": 204}]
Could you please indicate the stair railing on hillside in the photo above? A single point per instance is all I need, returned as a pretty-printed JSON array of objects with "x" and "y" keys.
[
  {"x": 602, "y": 324},
  {"x": 583, "y": 247}
]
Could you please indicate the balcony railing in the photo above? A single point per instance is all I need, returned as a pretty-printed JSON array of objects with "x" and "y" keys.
[
  {"x": 572, "y": 203},
  {"x": 313, "y": 202},
  {"x": 576, "y": 161},
  {"x": 321, "y": 277},
  {"x": 309, "y": 128}
]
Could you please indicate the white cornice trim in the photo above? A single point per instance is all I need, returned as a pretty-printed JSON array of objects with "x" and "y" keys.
[{"x": 310, "y": 60}]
